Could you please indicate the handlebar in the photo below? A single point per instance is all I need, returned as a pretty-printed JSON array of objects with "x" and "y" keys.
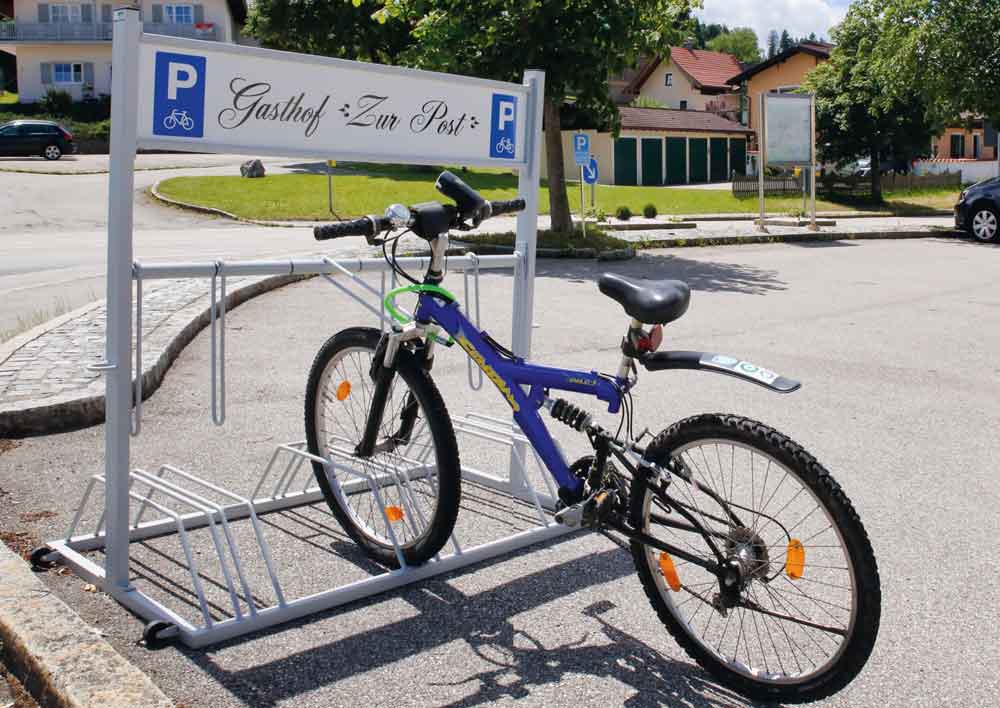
[
  {"x": 367, "y": 226},
  {"x": 508, "y": 206}
]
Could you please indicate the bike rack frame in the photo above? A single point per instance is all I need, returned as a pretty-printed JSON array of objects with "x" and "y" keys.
[{"x": 189, "y": 502}]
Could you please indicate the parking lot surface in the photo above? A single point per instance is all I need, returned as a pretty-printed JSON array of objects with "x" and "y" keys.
[{"x": 896, "y": 344}]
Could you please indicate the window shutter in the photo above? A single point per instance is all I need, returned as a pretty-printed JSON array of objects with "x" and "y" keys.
[
  {"x": 88, "y": 73},
  {"x": 46, "y": 72},
  {"x": 106, "y": 13},
  {"x": 157, "y": 14},
  {"x": 199, "y": 14},
  {"x": 87, "y": 14},
  {"x": 43, "y": 12}
]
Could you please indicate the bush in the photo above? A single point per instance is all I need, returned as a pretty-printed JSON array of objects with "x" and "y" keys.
[
  {"x": 649, "y": 211},
  {"x": 57, "y": 103},
  {"x": 623, "y": 213}
]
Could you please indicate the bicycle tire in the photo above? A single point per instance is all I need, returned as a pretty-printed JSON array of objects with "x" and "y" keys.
[
  {"x": 444, "y": 484},
  {"x": 856, "y": 646}
]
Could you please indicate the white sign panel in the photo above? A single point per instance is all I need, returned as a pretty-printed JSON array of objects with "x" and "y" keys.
[
  {"x": 203, "y": 95},
  {"x": 788, "y": 128}
]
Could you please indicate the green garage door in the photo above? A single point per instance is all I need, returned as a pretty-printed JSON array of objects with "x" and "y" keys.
[
  {"x": 738, "y": 156},
  {"x": 626, "y": 169},
  {"x": 698, "y": 149},
  {"x": 676, "y": 161},
  {"x": 717, "y": 147},
  {"x": 652, "y": 161}
]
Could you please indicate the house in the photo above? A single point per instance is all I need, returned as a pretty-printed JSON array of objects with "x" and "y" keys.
[
  {"x": 972, "y": 140},
  {"x": 782, "y": 73},
  {"x": 67, "y": 45},
  {"x": 689, "y": 79}
]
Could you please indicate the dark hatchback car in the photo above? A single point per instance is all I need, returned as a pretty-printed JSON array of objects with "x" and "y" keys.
[
  {"x": 35, "y": 137},
  {"x": 978, "y": 210}
]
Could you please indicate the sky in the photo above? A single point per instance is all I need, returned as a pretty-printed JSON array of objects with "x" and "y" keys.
[{"x": 799, "y": 17}]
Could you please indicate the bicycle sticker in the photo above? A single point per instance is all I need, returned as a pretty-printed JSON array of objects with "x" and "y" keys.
[
  {"x": 179, "y": 95},
  {"x": 503, "y": 126},
  {"x": 744, "y": 368}
]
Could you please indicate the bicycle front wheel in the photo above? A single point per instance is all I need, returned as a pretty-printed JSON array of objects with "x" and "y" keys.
[
  {"x": 405, "y": 495},
  {"x": 801, "y": 619}
]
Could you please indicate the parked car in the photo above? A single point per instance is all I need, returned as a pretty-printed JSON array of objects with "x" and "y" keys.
[
  {"x": 978, "y": 210},
  {"x": 36, "y": 137}
]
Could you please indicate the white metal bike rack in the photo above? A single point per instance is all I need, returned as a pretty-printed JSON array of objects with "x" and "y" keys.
[{"x": 188, "y": 502}]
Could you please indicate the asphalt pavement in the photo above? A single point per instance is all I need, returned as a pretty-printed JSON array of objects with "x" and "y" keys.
[{"x": 895, "y": 341}]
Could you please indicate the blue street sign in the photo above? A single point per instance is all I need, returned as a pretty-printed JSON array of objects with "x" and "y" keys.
[
  {"x": 590, "y": 171},
  {"x": 581, "y": 148}
]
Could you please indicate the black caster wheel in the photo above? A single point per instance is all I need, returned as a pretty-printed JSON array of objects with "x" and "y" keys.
[
  {"x": 158, "y": 634},
  {"x": 38, "y": 560}
]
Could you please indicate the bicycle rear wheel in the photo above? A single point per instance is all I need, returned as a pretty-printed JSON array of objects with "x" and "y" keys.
[
  {"x": 407, "y": 493},
  {"x": 802, "y": 619}
]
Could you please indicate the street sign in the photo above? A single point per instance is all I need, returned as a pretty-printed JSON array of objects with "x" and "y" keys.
[
  {"x": 581, "y": 148},
  {"x": 590, "y": 171},
  {"x": 331, "y": 163}
]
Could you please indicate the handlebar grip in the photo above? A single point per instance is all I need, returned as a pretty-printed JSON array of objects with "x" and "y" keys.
[
  {"x": 366, "y": 226},
  {"x": 506, "y": 206}
]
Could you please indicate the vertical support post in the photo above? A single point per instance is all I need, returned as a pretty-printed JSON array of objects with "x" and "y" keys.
[
  {"x": 761, "y": 161},
  {"x": 583, "y": 222},
  {"x": 528, "y": 180},
  {"x": 118, "y": 347},
  {"x": 812, "y": 160},
  {"x": 687, "y": 160}
]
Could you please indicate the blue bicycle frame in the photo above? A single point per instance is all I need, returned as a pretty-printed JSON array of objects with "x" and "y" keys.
[{"x": 509, "y": 376}]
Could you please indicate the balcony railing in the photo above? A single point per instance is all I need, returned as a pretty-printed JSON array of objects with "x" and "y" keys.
[{"x": 93, "y": 32}]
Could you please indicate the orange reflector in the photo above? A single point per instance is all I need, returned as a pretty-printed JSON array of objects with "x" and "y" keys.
[
  {"x": 393, "y": 513},
  {"x": 669, "y": 572},
  {"x": 343, "y": 390},
  {"x": 795, "y": 563}
]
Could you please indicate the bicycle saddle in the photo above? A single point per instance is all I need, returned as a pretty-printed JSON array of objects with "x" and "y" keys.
[{"x": 649, "y": 301}]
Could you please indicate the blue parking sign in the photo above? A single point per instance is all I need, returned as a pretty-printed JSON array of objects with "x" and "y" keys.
[
  {"x": 503, "y": 126},
  {"x": 179, "y": 95},
  {"x": 581, "y": 148}
]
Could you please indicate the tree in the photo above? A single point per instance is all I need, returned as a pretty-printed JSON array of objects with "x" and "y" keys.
[
  {"x": 811, "y": 37},
  {"x": 340, "y": 28},
  {"x": 772, "y": 44},
  {"x": 785, "y": 42},
  {"x": 741, "y": 42},
  {"x": 856, "y": 113},
  {"x": 579, "y": 44},
  {"x": 947, "y": 50},
  {"x": 703, "y": 34}
]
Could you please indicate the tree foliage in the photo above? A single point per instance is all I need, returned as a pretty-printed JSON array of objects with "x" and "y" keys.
[
  {"x": 857, "y": 115},
  {"x": 741, "y": 42},
  {"x": 786, "y": 42},
  {"x": 772, "y": 44}
]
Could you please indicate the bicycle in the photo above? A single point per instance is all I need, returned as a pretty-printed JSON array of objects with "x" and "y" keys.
[
  {"x": 505, "y": 145},
  {"x": 749, "y": 552},
  {"x": 178, "y": 117}
]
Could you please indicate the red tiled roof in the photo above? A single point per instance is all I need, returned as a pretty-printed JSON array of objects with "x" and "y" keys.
[
  {"x": 706, "y": 69},
  {"x": 676, "y": 120}
]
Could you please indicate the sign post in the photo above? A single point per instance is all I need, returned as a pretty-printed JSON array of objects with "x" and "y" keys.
[
  {"x": 330, "y": 164},
  {"x": 788, "y": 139},
  {"x": 581, "y": 155}
]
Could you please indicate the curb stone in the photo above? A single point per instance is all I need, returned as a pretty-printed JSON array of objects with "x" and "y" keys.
[{"x": 60, "y": 659}]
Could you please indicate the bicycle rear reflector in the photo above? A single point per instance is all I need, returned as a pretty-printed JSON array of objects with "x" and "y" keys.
[
  {"x": 795, "y": 562},
  {"x": 669, "y": 571},
  {"x": 394, "y": 513},
  {"x": 343, "y": 390}
]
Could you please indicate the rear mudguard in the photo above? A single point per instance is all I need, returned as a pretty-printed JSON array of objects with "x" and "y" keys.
[{"x": 720, "y": 364}]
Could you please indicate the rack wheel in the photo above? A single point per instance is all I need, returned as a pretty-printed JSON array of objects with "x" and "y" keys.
[
  {"x": 38, "y": 560},
  {"x": 154, "y": 634}
]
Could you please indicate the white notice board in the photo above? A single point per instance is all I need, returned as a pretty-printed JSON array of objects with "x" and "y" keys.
[
  {"x": 788, "y": 129},
  {"x": 212, "y": 97}
]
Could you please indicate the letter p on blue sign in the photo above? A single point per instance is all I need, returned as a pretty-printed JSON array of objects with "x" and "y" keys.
[
  {"x": 179, "y": 95},
  {"x": 503, "y": 126}
]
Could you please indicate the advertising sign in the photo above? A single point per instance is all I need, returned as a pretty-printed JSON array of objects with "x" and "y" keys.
[
  {"x": 203, "y": 95},
  {"x": 788, "y": 129}
]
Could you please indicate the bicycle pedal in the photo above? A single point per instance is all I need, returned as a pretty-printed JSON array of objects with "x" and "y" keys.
[{"x": 571, "y": 515}]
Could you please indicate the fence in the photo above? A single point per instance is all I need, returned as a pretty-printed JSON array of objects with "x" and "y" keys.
[
  {"x": 747, "y": 186},
  {"x": 920, "y": 181}
]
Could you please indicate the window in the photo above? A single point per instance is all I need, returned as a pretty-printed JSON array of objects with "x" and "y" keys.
[
  {"x": 65, "y": 13},
  {"x": 976, "y": 146},
  {"x": 684, "y": 105},
  {"x": 67, "y": 73},
  {"x": 786, "y": 89},
  {"x": 668, "y": 80},
  {"x": 9, "y": 131},
  {"x": 179, "y": 14},
  {"x": 957, "y": 146}
]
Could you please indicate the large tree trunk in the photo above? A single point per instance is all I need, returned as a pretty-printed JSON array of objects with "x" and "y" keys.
[
  {"x": 558, "y": 201},
  {"x": 876, "y": 177}
]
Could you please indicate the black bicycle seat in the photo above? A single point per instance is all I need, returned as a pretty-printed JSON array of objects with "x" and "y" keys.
[{"x": 649, "y": 301}]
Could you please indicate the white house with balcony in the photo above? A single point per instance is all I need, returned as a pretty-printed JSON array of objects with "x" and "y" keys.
[{"x": 66, "y": 46}]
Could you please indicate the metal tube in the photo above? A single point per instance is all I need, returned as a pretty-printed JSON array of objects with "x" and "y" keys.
[
  {"x": 761, "y": 161},
  {"x": 136, "y": 420},
  {"x": 118, "y": 381}
]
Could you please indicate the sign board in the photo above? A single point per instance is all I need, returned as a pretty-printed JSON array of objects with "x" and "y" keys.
[
  {"x": 581, "y": 148},
  {"x": 212, "y": 97},
  {"x": 590, "y": 171},
  {"x": 788, "y": 129},
  {"x": 331, "y": 163}
]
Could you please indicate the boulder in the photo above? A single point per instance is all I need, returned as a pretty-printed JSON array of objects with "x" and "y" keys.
[{"x": 252, "y": 168}]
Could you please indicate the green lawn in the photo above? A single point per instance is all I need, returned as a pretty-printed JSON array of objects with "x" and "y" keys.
[{"x": 364, "y": 189}]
